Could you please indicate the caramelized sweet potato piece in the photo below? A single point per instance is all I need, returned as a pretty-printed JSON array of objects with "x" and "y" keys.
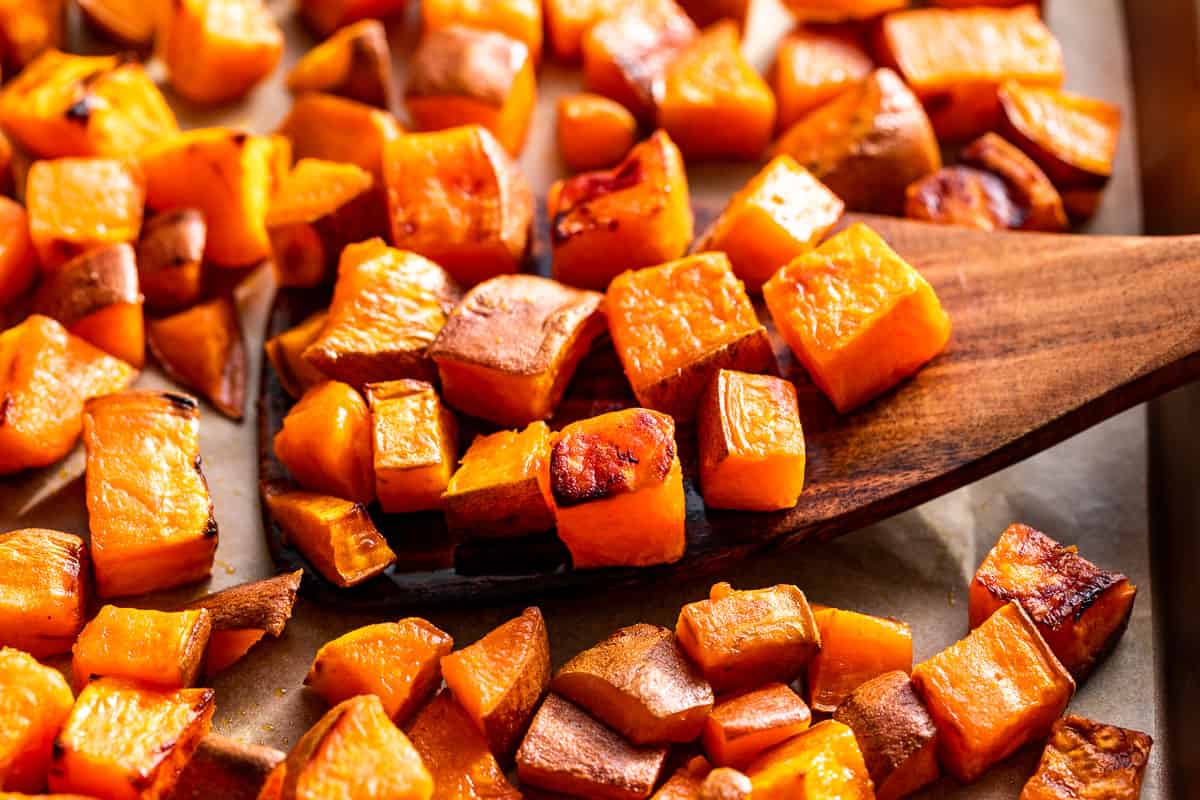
[
  {"x": 456, "y": 754},
  {"x": 46, "y": 588},
  {"x": 170, "y": 259},
  {"x": 396, "y": 661},
  {"x": 592, "y": 131},
  {"x": 241, "y": 615},
  {"x": 34, "y": 703},
  {"x": 149, "y": 511},
  {"x": 708, "y": 12},
  {"x": 814, "y": 65},
  {"x": 27, "y": 28},
  {"x": 1079, "y": 609},
  {"x": 963, "y": 196},
  {"x": 618, "y": 490},
  {"x": 518, "y": 19},
  {"x": 499, "y": 679},
  {"x": 955, "y": 60},
  {"x": 743, "y": 639},
  {"x": 502, "y": 487},
  {"x": 415, "y": 444},
  {"x": 744, "y": 726},
  {"x": 824, "y": 761},
  {"x": 388, "y": 305},
  {"x": 475, "y": 234},
  {"x": 1040, "y": 204},
  {"x": 18, "y": 259},
  {"x": 867, "y": 144},
  {"x": 568, "y": 20},
  {"x": 356, "y": 62},
  {"x": 1086, "y": 759},
  {"x": 127, "y": 22},
  {"x": 464, "y": 76},
  {"x": 714, "y": 104},
  {"x": 567, "y": 751},
  {"x": 520, "y": 377},
  {"x": 125, "y": 742},
  {"x": 336, "y": 536},
  {"x": 326, "y": 16},
  {"x": 841, "y": 10},
  {"x": 854, "y": 649},
  {"x": 46, "y": 374},
  {"x": 164, "y": 649},
  {"x": 895, "y": 733},
  {"x": 202, "y": 348},
  {"x": 840, "y": 308},
  {"x": 336, "y": 129},
  {"x": 226, "y": 768},
  {"x": 676, "y": 325},
  {"x": 993, "y": 692},
  {"x": 68, "y": 105},
  {"x": 325, "y": 442},
  {"x": 216, "y": 51},
  {"x": 685, "y": 782},
  {"x": 285, "y": 351}
]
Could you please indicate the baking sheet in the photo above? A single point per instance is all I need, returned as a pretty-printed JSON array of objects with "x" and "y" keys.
[{"x": 1090, "y": 490}]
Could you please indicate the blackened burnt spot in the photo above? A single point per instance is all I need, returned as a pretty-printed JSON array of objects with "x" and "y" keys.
[
  {"x": 181, "y": 401},
  {"x": 198, "y": 464},
  {"x": 239, "y": 138},
  {"x": 5, "y": 405},
  {"x": 210, "y": 527},
  {"x": 81, "y": 110},
  {"x": 559, "y": 229}
]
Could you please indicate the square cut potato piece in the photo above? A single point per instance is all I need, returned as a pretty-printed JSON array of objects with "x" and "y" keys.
[
  {"x": 824, "y": 761},
  {"x": 502, "y": 487},
  {"x": 854, "y": 649},
  {"x": 812, "y": 66},
  {"x": 568, "y": 20},
  {"x": 592, "y": 131},
  {"x": 744, "y": 726},
  {"x": 618, "y": 490},
  {"x": 243, "y": 614},
  {"x": 751, "y": 442},
  {"x": 34, "y": 702},
  {"x": 47, "y": 583},
  {"x": 415, "y": 444},
  {"x": 993, "y": 692},
  {"x": 170, "y": 259},
  {"x": 456, "y": 754},
  {"x": 332, "y": 128},
  {"x": 162, "y": 649},
  {"x": 29, "y": 28},
  {"x": 676, "y": 325},
  {"x": 1079, "y": 609},
  {"x": 857, "y": 315},
  {"x": 1086, "y": 759},
  {"x": 518, "y": 19},
  {"x": 509, "y": 349},
  {"x": 743, "y": 639},
  {"x": 325, "y": 443},
  {"x": 356, "y": 63},
  {"x": 202, "y": 347}
]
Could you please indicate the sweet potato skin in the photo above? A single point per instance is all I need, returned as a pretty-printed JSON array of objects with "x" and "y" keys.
[
  {"x": 47, "y": 588},
  {"x": 326, "y": 16},
  {"x": 744, "y": 726},
  {"x": 964, "y": 196},
  {"x": 518, "y": 19},
  {"x": 34, "y": 703},
  {"x": 127, "y": 22},
  {"x": 1085, "y": 759},
  {"x": 1030, "y": 187},
  {"x": 170, "y": 259},
  {"x": 593, "y": 131},
  {"x": 242, "y": 614},
  {"x": 456, "y": 754}
]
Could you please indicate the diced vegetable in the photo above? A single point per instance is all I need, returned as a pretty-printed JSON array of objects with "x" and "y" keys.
[
  {"x": 456, "y": 754},
  {"x": 685, "y": 782},
  {"x": 854, "y": 649},
  {"x": 127, "y": 22},
  {"x": 519, "y": 19},
  {"x": 164, "y": 649},
  {"x": 356, "y": 62},
  {"x": 202, "y": 348},
  {"x": 216, "y": 51},
  {"x": 326, "y": 16},
  {"x": 34, "y": 703},
  {"x": 1031, "y": 189},
  {"x": 963, "y": 196},
  {"x": 1089, "y": 759},
  {"x": 568, "y": 20},
  {"x": 325, "y": 442},
  {"x": 592, "y": 131},
  {"x": 170, "y": 259},
  {"x": 29, "y": 27},
  {"x": 502, "y": 487},
  {"x": 336, "y": 129},
  {"x": 812, "y": 66},
  {"x": 285, "y": 351},
  {"x": 18, "y": 259},
  {"x": 824, "y": 761},
  {"x": 415, "y": 444},
  {"x": 226, "y": 768},
  {"x": 242, "y": 614},
  {"x": 46, "y": 587},
  {"x": 744, "y": 726},
  {"x": 841, "y": 10}
]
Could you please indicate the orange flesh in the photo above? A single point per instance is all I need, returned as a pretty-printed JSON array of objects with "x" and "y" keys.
[
  {"x": 163, "y": 649},
  {"x": 415, "y": 445},
  {"x": 839, "y": 10},
  {"x": 325, "y": 443},
  {"x": 18, "y": 260},
  {"x": 854, "y": 649},
  {"x": 314, "y": 189},
  {"x": 824, "y": 761},
  {"x": 1086, "y": 760},
  {"x": 34, "y": 703},
  {"x": 743, "y": 727},
  {"x": 592, "y": 131},
  {"x": 118, "y": 330},
  {"x": 44, "y": 595},
  {"x": 336, "y": 129},
  {"x": 456, "y": 754},
  {"x": 285, "y": 353},
  {"x": 226, "y": 648},
  {"x": 353, "y": 63},
  {"x": 202, "y": 347},
  {"x": 28, "y": 28},
  {"x": 326, "y": 16},
  {"x": 128, "y": 20},
  {"x": 217, "y": 50},
  {"x": 1078, "y": 131},
  {"x": 812, "y": 67},
  {"x": 502, "y": 486},
  {"x": 568, "y": 20},
  {"x": 520, "y": 19}
]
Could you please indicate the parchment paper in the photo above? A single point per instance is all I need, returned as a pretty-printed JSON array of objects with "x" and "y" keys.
[{"x": 1090, "y": 490}]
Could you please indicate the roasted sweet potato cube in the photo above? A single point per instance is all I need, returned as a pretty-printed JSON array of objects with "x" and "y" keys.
[
  {"x": 1079, "y": 609},
  {"x": 521, "y": 376},
  {"x": 149, "y": 511},
  {"x": 336, "y": 129},
  {"x": 163, "y": 649},
  {"x": 415, "y": 444},
  {"x": 841, "y": 308},
  {"x": 743, "y": 639},
  {"x": 854, "y": 649},
  {"x": 68, "y": 105},
  {"x": 46, "y": 374},
  {"x": 127, "y": 22},
  {"x": 285, "y": 351},
  {"x": 227, "y": 768},
  {"x": 1072, "y": 137},
  {"x": 170, "y": 259},
  {"x": 475, "y": 234},
  {"x": 464, "y": 76},
  {"x": 47, "y": 583},
  {"x": 356, "y": 62},
  {"x": 963, "y": 196},
  {"x": 34, "y": 703},
  {"x": 956, "y": 59},
  {"x": 744, "y": 726},
  {"x": 202, "y": 348},
  {"x": 18, "y": 259},
  {"x": 499, "y": 679},
  {"x": 1039, "y": 203},
  {"x": 841, "y": 10},
  {"x": 216, "y": 51},
  {"x": 502, "y": 487},
  {"x": 396, "y": 661},
  {"x": 336, "y": 536},
  {"x": 781, "y": 213},
  {"x": 518, "y": 19},
  {"x": 685, "y": 782},
  {"x": 867, "y": 144},
  {"x": 568, "y": 20},
  {"x": 592, "y": 131},
  {"x": 1086, "y": 759},
  {"x": 326, "y": 16},
  {"x": 456, "y": 754},
  {"x": 824, "y": 761},
  {"x": 325, "y": 442},
  {"x": 993, "y": 692},
  {"x": 568, "y": 751},
  {"x": 618, "y": 490},
  {"x": 676, "y": 325},
  {"x": 388, "y": 305},
  {"x": 714, "y": 104},
  {"x": 812, "y": 66},
  {"x": 895, "y": 733},
  {"x": 28, "y": 28},
  {"x": 241, "y": 615},
  {"x": 127, "y": 742}
]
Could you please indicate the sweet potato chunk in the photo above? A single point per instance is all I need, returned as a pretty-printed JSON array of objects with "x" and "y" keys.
[
  {"x": 164, "y": 649},
  {"x": 854, "y": 649},
  {"x": 895, "y": 733},
  {"x": 286, "y": 354},
  {"x": 388, "y": 305},
  {"x": 867, "y": 144},
  {"x": 814, "y": 65},
  {"x": 226, "y": 768},
  {"x": 1079, "y": 609},
  {"x": 241, "y": 615},
  {"x": 726, "y": 783},
  {"x": 28, "y": 28},
  {"x": 34, "y": 703},
  {"x": 744, "y": 726},
  {"x": 993, "y": 692},
  {"x": 743, "y": 639},
  {"x": 203, "y": 349},
  {"x": 170, "y": 259},
  {"x": 216, "y": 51},
  {"x": 676, "y": 325},
  {"x": 502, "y": 487},
  {"x": 356, "y": 62},
  {"x": 326, "y": 16},
  {"x": 1040, "y": 204},
  {"x": 46, "y": 587},
  {"x": 955, "y": 60},
  {"x": 46, "y": 374},
  {"x": 592, "y": 131},
  {"x": 520, "y": 377},
  {"x": 963, "y": 196},
  {"x": 126, "y": 742},
  {"x": 475, "y": 234},
  {"x": 127, "y": 22},
  {"x": 68, "y": 105},
  {"x": 618, "y": 490},
  {"x": 1086, "y": 759},
  {"x": 456, "y": 754},
  {"x": 336, "y": 129},
  {"x": 841, "y": 308},
  {"x": 569, "y": 752},
  {"x": 325, "y": 442},
  {"x": 518, "y": 19},
  {"x": 415, "y": 444},
  {"x": 396, "y": 661},
  {"x": 18, "y": 259},
  {"x": 336, "y": 536},
  {"x": 499, "y": 679},
  {"x": 824, "y": 761},
  {"x": 714, "y": 104},
  {"x": 464, "y": 76},
  {"x": 568, "y": 20},
  {"x": 841, "y": 10},
  {"x": 685, "y": 782}
]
